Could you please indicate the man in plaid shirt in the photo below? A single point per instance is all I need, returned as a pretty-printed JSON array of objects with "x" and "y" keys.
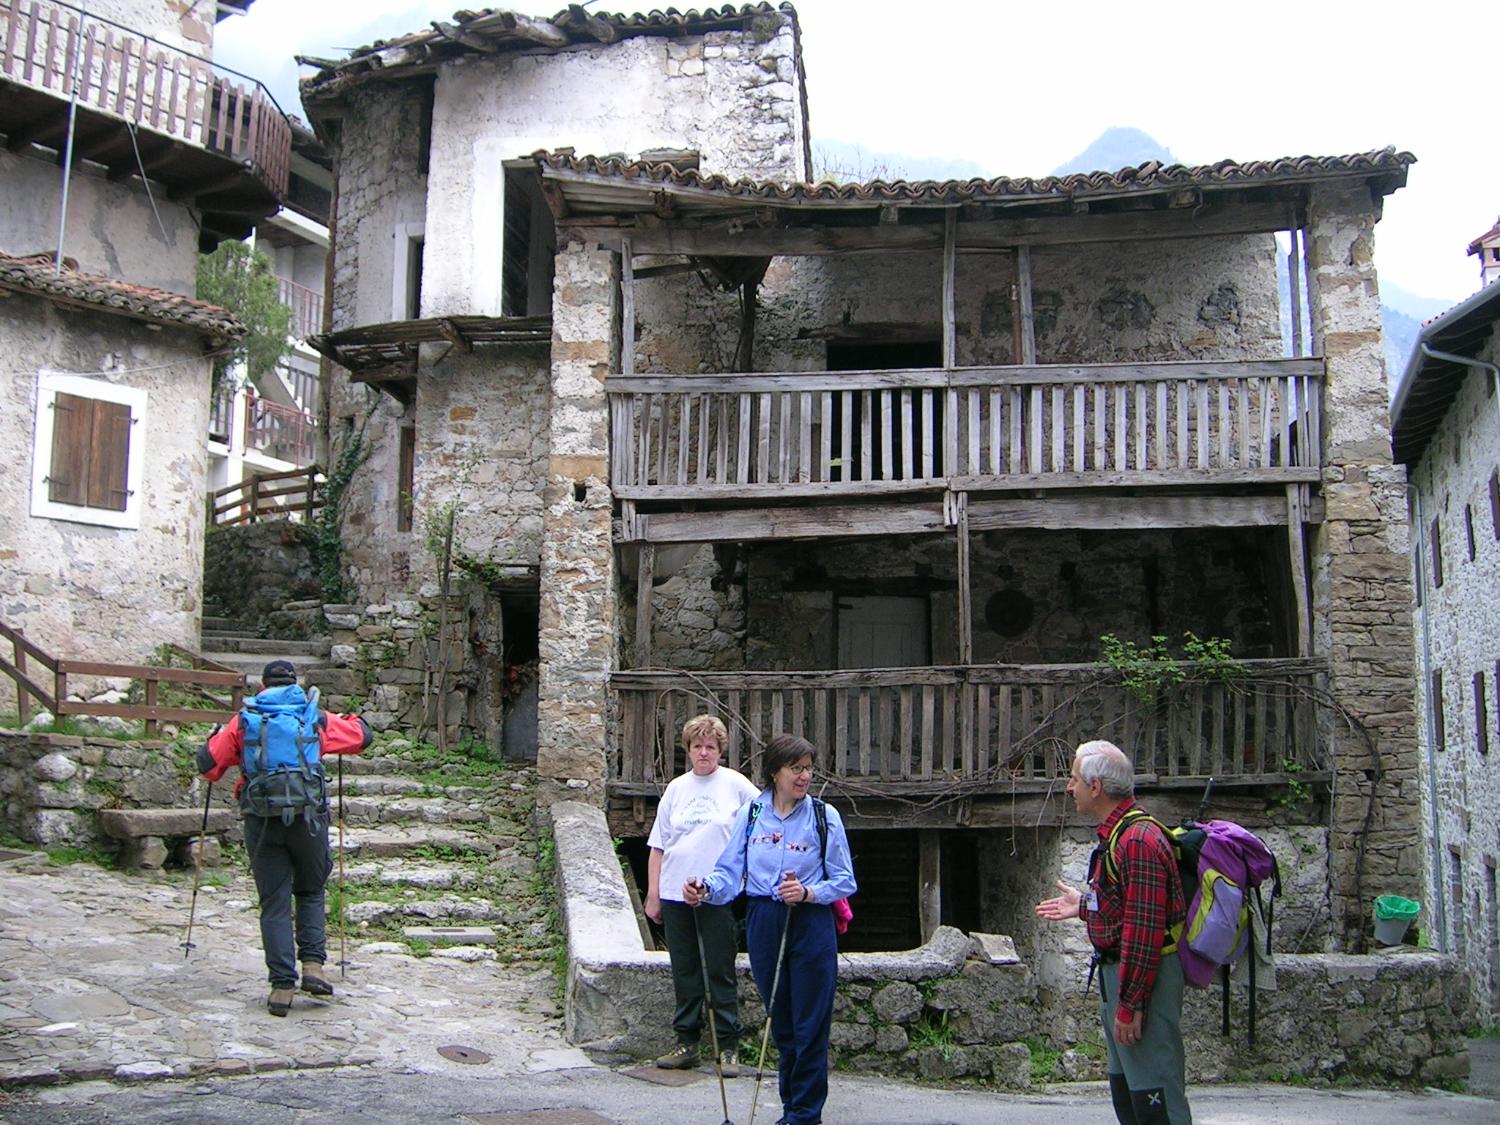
[{"x": 1133, "y": 910}]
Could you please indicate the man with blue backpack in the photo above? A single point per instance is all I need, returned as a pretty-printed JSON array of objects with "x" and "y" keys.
[
  {"x": 279, "y": 741},
  {"x": 1134, "y": 909}
]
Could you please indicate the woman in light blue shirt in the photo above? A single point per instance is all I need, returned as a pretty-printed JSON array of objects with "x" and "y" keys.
[{"x": 791, "y": 879}]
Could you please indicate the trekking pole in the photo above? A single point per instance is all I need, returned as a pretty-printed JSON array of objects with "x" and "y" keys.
[
  {"x": 713, "y": 1026},
  {"x": 765, "y": 1038},
  {"x": 187, "y": 942},
  {"x": 1203, "y": 804}
]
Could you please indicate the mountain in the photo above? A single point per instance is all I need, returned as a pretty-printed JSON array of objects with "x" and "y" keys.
[{"x": 1114, "y": 149}]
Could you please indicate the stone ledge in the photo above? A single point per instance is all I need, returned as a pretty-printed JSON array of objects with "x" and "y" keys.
[{"x": 129, "y": 824}]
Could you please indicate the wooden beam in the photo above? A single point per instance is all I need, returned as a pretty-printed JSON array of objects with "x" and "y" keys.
[
  {"x": 1028, "y": 314},
  {"x": 542, "y": 32},
  {"x": 950, "y": 261},
  {"x": 930, "y": 882},
  {"x": 925, "y": 517},
  {"x": 645, "y": 579},
  {"x": 1295, "y": 506},
  {"x": 965, "y": 595},
  {"x": 1126, "y": 513},
  {"x": 991, "y": 234},
  {"x": 627, "y": 309},
  {"x": 1294, "y": 276}
]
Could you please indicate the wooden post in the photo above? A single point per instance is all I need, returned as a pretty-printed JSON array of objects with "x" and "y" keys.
[
  {"x": 965, "y": 607},
  {"x": 1295, "y": 518},
  {"x": 254, "y": 499},
  {"x": 627, "y": 309},
  {"x": 1028, "y": 318},
  {"x": 929, "y": 882},
  {"x": 1294, "y": 276},
  {"x": 950, "y": 269},
  {"x": 23, "y": 697},
  {"x": 644, "y": 582},
  {"x": 153, "y": 727}
]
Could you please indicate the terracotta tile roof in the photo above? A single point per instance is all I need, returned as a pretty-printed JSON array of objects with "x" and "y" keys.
[
  {"x": 1387, "y": 165},
  {"x": 34, "y": 274},
  {"x": 1430, "y": 383},
  {"x": 495, "y": 29}
]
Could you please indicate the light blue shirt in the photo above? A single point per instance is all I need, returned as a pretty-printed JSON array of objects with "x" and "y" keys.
[{"x": 779, "y": 844}]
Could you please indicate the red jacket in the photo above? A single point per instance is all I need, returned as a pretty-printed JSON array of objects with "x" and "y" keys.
[{"x": 337, "y": 734}]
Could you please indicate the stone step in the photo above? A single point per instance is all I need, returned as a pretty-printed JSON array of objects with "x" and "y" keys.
[
  {"x": 402, "y": 840},
  {"x": 445, "y": 908},
  {"x": 253, "y": 664},
  {"x": 371, "y": 811},
  {"x": 215, "y": 623},
  {"x": 264, "y": 646},
  {"x": 376, "y": 786},
  {"x": 427, "y": 875}
]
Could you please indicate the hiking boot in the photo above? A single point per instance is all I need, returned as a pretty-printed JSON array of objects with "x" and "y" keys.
[
  {"x": 684, "y": 1056},
  {"x": 280, "y": 1002},
  {"x": 729, "y": 1063},
  {"x": 314, "y": 981}
]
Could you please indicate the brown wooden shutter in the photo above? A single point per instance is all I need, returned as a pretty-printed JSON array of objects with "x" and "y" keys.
[
  {"x": 406, "y": 469},
  {"x": 72, "y": 427},
  {"x": 109, "y": 458}
]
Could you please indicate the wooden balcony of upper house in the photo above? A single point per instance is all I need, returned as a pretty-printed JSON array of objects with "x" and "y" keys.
[
  {"x": 918, "y": 437},
  {"x": 214, "y": 140},
  {"x": 990, "y": 745}
]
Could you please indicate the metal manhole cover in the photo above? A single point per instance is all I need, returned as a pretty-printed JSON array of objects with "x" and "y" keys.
[
  {"x": 663, "y": 1077},
  {"x": 541, "y": 1117},
  {"x": 471, "y": 1055}
]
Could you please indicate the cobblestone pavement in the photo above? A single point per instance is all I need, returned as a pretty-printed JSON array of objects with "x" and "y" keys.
[{"x": 93, "y": 984}]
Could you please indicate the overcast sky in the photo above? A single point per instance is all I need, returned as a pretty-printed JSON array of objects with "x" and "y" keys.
[{"x": 1021, "y": 88}]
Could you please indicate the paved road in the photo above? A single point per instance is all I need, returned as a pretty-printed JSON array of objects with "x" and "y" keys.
[{"x": 93, "y": 985}]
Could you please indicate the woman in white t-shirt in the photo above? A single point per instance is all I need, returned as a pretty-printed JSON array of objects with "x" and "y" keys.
[{"x": 691, "y": 829}]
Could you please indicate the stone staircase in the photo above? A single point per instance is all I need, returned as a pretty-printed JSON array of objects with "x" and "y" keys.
[
  {"x": 296, "y": 638},
  {"x": 440, "y": 850}
]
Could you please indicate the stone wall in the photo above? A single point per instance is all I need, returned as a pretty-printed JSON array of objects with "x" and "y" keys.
[
  {"x": 1456, "y": 626},
  {"x": 252, "y": 570},
  {"x": 51, "y": 785},
  {"x": 1361, "y": 581},
  {"x": 82, "y": 590}
]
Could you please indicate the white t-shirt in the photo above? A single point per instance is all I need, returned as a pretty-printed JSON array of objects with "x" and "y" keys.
[{"x": 692, "y": 824}]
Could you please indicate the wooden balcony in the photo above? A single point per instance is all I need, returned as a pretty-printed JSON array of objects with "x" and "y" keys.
[
  {"x": 981, "y": 730},
  {"x": 860, "y": 434},
  {"x": 143, "y": 108}
]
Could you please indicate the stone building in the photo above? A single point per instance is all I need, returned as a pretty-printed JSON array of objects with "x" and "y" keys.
[
  {"x": 879, "y": 463},
  {"x": 1487, "y": 249},
  {"x": 1446, "y": 431},
  {"x": 105, "y": 386}
]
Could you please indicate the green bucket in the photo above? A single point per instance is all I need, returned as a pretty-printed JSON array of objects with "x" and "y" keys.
[{"x": 1393, "y": 915}]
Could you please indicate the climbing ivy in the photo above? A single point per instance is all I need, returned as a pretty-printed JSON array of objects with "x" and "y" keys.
[{"x": 328, "y": 525}]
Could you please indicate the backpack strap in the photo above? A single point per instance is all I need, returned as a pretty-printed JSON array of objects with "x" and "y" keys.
[
  {"x": 820, "y": 816},
  {"x": 1111, "y": 868}
]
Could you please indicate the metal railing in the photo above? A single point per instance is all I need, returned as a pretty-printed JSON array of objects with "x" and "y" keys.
[
  {"x": 678, "y": 437},
  {"x": 293, "y": 496},
  {"x": 306, "y": 305},
  {"x": 283, "y": 432},
  {"x": 985, "y": 724},
  {"x": 44, "y": 44},
  {"x": 219, "y": 688}
]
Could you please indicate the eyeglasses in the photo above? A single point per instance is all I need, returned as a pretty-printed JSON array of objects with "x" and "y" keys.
[{"x": 807, "y": 769}]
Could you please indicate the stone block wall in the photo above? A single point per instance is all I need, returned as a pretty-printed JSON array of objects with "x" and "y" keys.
[
  {"x": 252, "y": 570},
  {"x": 1457, "y": 636},
  {"x": 51, "y": 785},
  {"x": 1361, "y": 581}
]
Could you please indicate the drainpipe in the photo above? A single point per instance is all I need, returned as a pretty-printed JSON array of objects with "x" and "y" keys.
[
  {"x": 1464, "y": 360},
  {"x": 1439, "y": 904},
  {"x": 67, "y": 169}
]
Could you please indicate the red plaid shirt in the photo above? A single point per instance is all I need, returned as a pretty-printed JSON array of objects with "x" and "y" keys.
[{"x": 1134, "y": 912}]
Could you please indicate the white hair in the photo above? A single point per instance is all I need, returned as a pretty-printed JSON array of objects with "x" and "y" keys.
[{"x": 1104, "y": 761}]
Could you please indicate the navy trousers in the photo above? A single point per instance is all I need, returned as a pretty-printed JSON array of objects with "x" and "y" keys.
[
  {"x": 290, "y": 860},
  {"x": 802, "y": 1012}
]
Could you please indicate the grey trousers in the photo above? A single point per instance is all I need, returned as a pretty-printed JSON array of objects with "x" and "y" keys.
[
  {"x": 1154, "y": 1069},
  {"x": 290, "y": 861}
]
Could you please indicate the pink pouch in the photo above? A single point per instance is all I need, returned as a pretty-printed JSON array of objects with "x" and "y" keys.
[{"x": 842, "y": 915}]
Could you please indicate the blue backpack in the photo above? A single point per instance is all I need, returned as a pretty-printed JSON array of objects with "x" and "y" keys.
[{"x": 282, "y": 757}]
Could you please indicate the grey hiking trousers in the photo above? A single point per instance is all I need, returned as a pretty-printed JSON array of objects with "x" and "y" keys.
[
  {"x": 1153, "y": 1090},
  {"x": 290, "y": 861}
]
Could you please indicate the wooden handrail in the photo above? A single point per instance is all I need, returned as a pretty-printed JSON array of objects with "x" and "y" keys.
[
  {"x": 204, "y": 675},
  {"x": 250, "y": 500}
]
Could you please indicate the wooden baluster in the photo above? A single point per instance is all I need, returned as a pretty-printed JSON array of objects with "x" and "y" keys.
[
  {"x": 908, "y": 462},
  {"x": 825, "y": 437},
  {"x": 1014, "y": 394},
  {"x": 763, "y": 439},
  {"x": 846, "y": 436},
  {"x": 887, "y": 437},
  {"x": 1059, "y": 429},
  {"x": 908, "y": 706},
  {"x": 1003, "y": 702},
  {"x": 684, "y": 438},
  {"x": 1223, "y": 423},
  {"x": 1080, "y": 427},
  {"x": 866, "y": 735},
  {"x": 804, "y": 437},
  {"x": 929, "y": 435},
  {"x": 1122, "y": 409},
  {"x": 997, "y": 429},
  {"x": 153, "y": 725},
  {"x": 783, "y": 437},
  {"x": 1182, "y": 400},
  {"x": 974, "y": 463},
  {"x": 1034, "y": 446},
  {"x": 866, "y": 450}
]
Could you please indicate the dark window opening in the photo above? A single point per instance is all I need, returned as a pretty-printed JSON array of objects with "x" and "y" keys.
[
  {"x": 1439, "y": 723},
  {"x": 1481, "y": 718},
  {"x": 529, "y": 247},
  {"x": 406, "y": 477},
  {"x": 1495, "y": 502},
  {"x": 414, "y": 250},
  {"x": 1469, "y": 528},
  {"x": 90, "y": 453},
  {"x": 424, "y": 127},
  {"x": 905, "y": 427},
  {"x": 1437, "y": 554},
  {"x": 960, "y": 881}
]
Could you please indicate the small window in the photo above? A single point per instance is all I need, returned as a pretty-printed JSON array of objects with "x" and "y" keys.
[
  {"x": 1495, "y": 502},
  {"x": 1469, "y": 528},
  {"x": 1437, "y": 555},
  {"x": 528, "y": 246},
  {"x": 1438, "y": 717},
  {"x": 424, "y": 128},
  {"x": 406, "y": 477},
  {"x": 1481, "y": 718},
  {"x": 406, "y": 274},
  {"x": 87, "y": 452}
]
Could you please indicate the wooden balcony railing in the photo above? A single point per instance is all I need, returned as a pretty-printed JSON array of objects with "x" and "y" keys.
[
  {"x": 306, "y": 305},
  {"x": 280, "y": 431},
  {"x": 44, "y": 44},
  {"x": 295, "y": 496},
  {"x": 214, "y": 690},
  {"x": 679, "y": 437},
  {"x": 983, "y": 725}
]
